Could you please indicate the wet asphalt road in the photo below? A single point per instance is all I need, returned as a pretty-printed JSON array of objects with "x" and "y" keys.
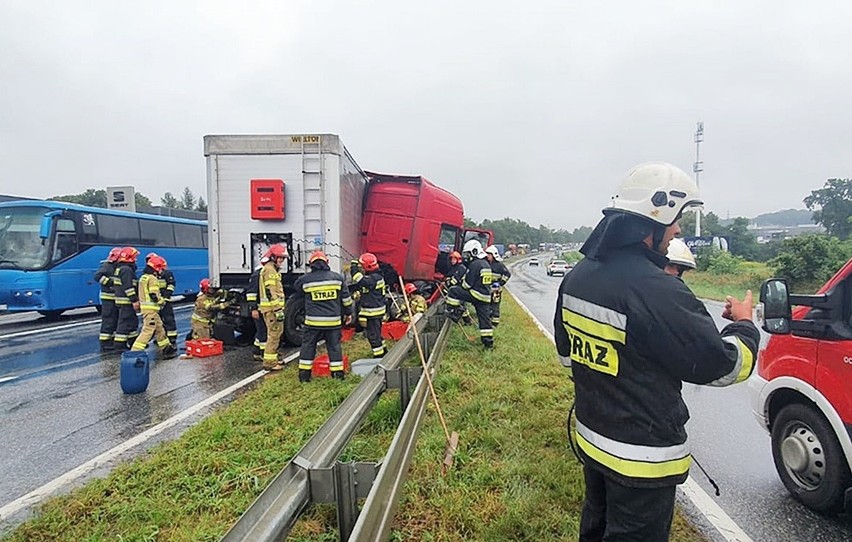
[
  {"x": 61, "y": 403},
  {"x": 724, "y": 437}
]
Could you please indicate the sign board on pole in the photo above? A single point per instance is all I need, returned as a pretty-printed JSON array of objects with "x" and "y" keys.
[
  {"x": 121, "y": 198},
  {"x": 719, "y": 242}
]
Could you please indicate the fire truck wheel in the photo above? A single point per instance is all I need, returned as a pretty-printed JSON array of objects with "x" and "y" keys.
[
  {"x": 809, "y": 458},
  {"x": 294, "y": 319}
]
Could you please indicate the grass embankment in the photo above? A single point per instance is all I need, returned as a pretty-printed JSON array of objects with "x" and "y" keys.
[
  {"x": 514, "y": 477},
  {"x": 715, "y": 285}
]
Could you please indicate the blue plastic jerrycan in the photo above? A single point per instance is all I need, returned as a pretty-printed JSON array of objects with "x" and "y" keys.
[{"x": 134, "y": 371}]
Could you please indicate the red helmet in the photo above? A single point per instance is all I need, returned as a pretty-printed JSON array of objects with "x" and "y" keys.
[
  {"x": 114, "y": 254},
  {"x": 204, "y": 285},
  {"x": 369, "y": 261},
  {"x": 150, "y": 255},
  {"x": 455, "y": 257},
  {"x": 276, "y": 251},
  {"x": 317, "y": 255},
  {"x": 128, "y": 255},
  {"x": 410, "y": 288},
  {"x": 157, "y": 263}
]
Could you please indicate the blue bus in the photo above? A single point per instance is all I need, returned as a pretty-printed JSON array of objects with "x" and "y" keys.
[{"x": 50, "y": 250}]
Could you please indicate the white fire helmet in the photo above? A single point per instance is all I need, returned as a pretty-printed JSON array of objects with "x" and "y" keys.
[
  {"x": 656, "y": 190},
  {"x": 494, "y": 252},
  {"x": 679, "y": 254},
  {"x": 474, "y": 248}
]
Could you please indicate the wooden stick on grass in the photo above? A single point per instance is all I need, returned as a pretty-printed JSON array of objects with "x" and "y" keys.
[{"x": 452, "y": 440}]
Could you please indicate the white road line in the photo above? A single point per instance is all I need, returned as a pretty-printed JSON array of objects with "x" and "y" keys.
[
  {"x": 37, "y": 495},
  {"x": 59, "y": 328},
  {"x": 705, "y": 504}
]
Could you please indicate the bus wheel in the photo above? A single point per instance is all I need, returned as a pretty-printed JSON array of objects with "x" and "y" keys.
[
  {"x": 51, "y": 316},
  {"x": 294, "y": 320}
]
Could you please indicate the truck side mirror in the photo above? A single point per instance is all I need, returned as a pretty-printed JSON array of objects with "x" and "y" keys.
[
  {"x": 775, "y": 300},
  {"x": 46, "y": 223}
]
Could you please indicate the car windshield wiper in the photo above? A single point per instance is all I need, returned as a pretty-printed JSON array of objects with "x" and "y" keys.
[{"x": 13, "y": 262}]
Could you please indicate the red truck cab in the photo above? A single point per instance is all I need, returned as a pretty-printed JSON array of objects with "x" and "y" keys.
[{"x": 802, "y": 391}]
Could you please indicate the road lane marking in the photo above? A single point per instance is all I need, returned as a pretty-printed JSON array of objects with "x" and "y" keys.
[
  {"x": 37, "y": 495},
  {"x": 714, "y": 514},
  {"x": 65, "y": 326}
]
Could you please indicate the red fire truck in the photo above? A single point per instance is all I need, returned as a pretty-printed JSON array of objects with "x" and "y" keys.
[{"x": 802, "y": 392}]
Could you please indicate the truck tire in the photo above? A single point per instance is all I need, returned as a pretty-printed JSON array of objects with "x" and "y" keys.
[
  {"x": 294, "y": 319},
  {"x": 809, "y": 458}
]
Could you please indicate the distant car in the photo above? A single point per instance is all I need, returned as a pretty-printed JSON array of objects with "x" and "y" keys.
[
  {"x": 558, "y": 267},
  {"x": 534, "y": 261}
]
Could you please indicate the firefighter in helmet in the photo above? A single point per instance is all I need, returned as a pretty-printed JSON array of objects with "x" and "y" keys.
[
  {"x": 475, "y": 288},
  {"x": 327, "y": 308},
  {"x": 126, "y": 298},
  {"x": 680, "y": 258},
  {"x": 500, "y": 276},
  {"x": 167, "y": 290},
  {"x": 368, "y": 280},
  {"x": 207, "y": 304},
  {"x": 259, "y": 324},
  {"x": 150, "y": 302},
  {"x": 632, "y": 336},
  {"x": 271, "y": 304},
  {"x": 415, "y": 300},
  {"x": 109, "y": 314}
]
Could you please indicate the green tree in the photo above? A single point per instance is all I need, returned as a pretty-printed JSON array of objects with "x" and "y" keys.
[
  {"x": 742, "y": 242},
  {"x": 808, "y": 261},
  {"x": 91, "y": 197},
  {"x": 201, "y": 205},
  {"x": 168, "y": 200},
  {"x": 832, "y": 206},
  {"x": 187, "y": 199},
  {"x": 142, "y": 202}
]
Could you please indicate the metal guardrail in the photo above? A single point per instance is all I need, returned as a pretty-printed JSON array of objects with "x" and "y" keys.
[{"x": 314, "y": 475}]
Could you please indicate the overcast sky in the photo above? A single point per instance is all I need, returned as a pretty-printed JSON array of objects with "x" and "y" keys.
[{"x": 532, "y": 110}]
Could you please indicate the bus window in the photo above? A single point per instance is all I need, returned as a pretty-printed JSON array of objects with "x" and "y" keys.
[
  {"x": 118, "y": 230},
  {"x": 156, "y": 233},
  {"x": 66, "y": 240},
  {"x": 188, "y": 235},
  {"x": 20, "y": 244}
]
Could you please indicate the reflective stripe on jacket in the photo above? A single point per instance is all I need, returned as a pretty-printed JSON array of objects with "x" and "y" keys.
[
  {"x": 500, "y": 273},
  {"x": 103, "y": 276},
  {"x": 205, "y": 308},
  {"x": 478, "y": 279},
  {"x": 270, "y": 289},
  {"x": 372, "y": 288},
  {"x": 632, "y": 334},
  {"x": 150, "y": 299},
  {"x": 124, "y": 284},
  {"x": 326, "y": 298},
  {"x": 167, "y": 284}
]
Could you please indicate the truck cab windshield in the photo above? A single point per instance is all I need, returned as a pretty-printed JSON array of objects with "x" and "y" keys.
[{"x": 20, "y": 244}]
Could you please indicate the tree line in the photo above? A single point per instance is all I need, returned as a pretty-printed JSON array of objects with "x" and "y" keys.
[{"x": 98, "y": 198}]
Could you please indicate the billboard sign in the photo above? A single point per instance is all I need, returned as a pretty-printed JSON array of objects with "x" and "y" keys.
[
  {"x": 121, "y": 198},
  {"x": 719, "y": 242}
]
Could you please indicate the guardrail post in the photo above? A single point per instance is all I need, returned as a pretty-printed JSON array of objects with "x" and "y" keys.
[{"x": 403, "y": 379}]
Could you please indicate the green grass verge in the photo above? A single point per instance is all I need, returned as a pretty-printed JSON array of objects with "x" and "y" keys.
[
  {"x": 514, "y": 477},
  {"x": 709, "y": 285}
]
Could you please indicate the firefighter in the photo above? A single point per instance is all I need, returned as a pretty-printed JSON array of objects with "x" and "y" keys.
[
  {"x": 259, "y": 324},
  {"x": 457, "y": 270},
  {"x": 327, "y": 309},
  {"x": 680, "y": 258},
  {"x": 207, "y": 304},
  {"x": 475, "y": 288},
  {"x": 151, "y": 302},
  {"x": 126, "y": 298},
  {"x": 500, "y": 275},
  {"x": 167, "y": 290},
  {"x": 632, "y": 336},
  {"x": 109, "y": 314},
  {"x": 271, "y": 306},
  {"x": 368, "y": 280},
  {"x": 415, "y": 300}
]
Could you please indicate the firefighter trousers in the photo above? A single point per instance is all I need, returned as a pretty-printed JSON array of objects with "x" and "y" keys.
[
  {"x": 167, "y": 315},
  {"x": 456, "y": 298},
  {"x": 109, "y": 321},
  {"x": 310, "y": 337},
  {"x": 373, "y": 331},
  {"x": 274, "y": 331},
  {"x": 127, "y": 326},
  {"x": 616, "y": 513},
  {"x": 496, "y": 297},
  {"x": 260, "y": 333},
  {"x": 152, "y": 328},
  {"x": 201, "y": 330}
]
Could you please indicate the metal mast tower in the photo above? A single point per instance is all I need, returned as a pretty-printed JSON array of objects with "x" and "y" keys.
[{"x": 697, "y": 168}]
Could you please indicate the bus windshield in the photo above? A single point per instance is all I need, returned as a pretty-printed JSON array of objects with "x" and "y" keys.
[{"x": 20, "y": 244}]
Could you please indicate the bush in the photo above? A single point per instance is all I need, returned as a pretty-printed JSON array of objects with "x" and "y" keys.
[
  {"x": 808, "y": 261},
  {"x": 720, "y": 262}
]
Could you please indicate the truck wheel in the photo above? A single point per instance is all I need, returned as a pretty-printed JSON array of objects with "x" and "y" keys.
[
  {"x": 294, "y": 319},
  {"x": 809, "y": 458}
]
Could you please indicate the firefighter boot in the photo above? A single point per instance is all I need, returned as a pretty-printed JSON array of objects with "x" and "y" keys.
[
  {"x": 454, "y": 313},
  {"x": 304, "y": 375},
  {"x": 488, "y": 343},
  {"x": 338, "y": 375},
  {"x": 107, "y": 347},
  {"x": 169, "y": 352}
]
